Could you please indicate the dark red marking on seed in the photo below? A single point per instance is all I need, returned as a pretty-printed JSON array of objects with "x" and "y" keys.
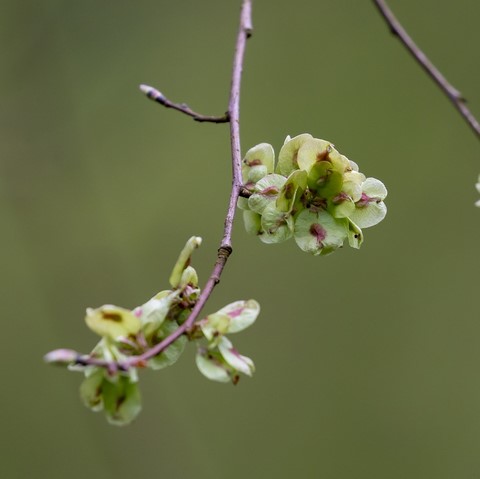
[
  {"x": 318, "y": 232},
  {"x": 115, "y": 317}
]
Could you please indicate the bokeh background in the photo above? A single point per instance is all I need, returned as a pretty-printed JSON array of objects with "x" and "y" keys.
[{"x": 367, "y": 361}]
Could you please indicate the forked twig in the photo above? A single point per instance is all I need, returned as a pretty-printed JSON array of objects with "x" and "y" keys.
[{"x": 225, "y": 249}]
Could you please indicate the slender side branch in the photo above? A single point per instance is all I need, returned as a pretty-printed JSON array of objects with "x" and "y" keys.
[
  {"x": 453, "y": 94},
  {"x": 159, "y": 97}
]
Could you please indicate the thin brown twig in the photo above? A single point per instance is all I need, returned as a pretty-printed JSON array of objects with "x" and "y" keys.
[
  {"x": 452, "y": 93},
  {"x": 225, "y": 249},
  {"x": 159, "y": 97}
]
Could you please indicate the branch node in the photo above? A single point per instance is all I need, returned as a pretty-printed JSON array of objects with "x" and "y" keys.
[{"x": 224, "y": 251}]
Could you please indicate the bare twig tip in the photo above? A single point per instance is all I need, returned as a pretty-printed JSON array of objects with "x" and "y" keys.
[{"x": 151, "y": 92}]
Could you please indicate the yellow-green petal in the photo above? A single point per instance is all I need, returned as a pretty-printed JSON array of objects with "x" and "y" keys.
[{"x": 112, "y": 322}]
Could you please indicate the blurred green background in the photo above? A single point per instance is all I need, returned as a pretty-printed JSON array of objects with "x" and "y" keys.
[{"x": 367, "y": 361}]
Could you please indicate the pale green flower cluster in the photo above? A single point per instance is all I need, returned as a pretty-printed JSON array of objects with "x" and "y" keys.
[
  {"x": 314, "y": 194},
  {"x": 130, "y": 333}
]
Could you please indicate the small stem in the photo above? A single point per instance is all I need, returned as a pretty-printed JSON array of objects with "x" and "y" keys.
[
  {"x": 245, "y": 192},
  {"x": 158, "y": 97},
  {"x": 453, "y": 94}
]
